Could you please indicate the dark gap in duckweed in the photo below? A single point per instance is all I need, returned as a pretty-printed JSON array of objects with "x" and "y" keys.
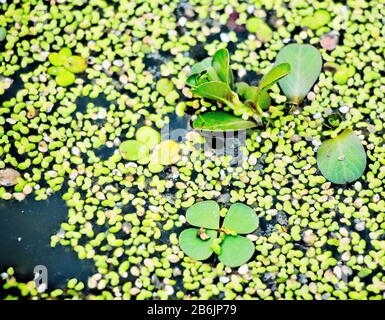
[{"x": 25, "y": 231}]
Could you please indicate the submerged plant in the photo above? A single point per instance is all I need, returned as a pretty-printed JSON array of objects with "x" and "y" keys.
[
  {"x": 232, "y": 249},
  {"x": 306, "y": 63},
  {"x": 343, "y": 159},
  {"x": 212, "y": 78}
]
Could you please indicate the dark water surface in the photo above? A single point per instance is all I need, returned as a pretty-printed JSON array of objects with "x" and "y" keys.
[{"x": 25, "y": 230}]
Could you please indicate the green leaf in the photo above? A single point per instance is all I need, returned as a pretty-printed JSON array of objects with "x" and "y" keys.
[
  {"x": 215, "y": 90},
  {"x": 247, "y": 92},
  {"x": 236, "y": 250},
  {"x": 317, "y": 20},
  {"x": 260, "y": 27},
  {"x": 133, "y": 150},
  {"x": 306, "y": 63},
  {"x": 221, "y": 121},
  {"x": 201, "y": 66},
  {"x": 195, "y": 247},
  {"x": 202, "y": 72},
  {"x": 149, "y": 136},
  {"x": 342, "y": 159},
  {"x": 275, "y": 73},
  {"x": 221, "y": 65},
  {"x": 204, "y": 214},
  {"x": 263, "y": 100},
  {"x": 241, "y": 218}
]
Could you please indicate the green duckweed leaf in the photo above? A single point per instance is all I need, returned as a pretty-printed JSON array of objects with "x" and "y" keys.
[
  {"x": 343, "y": 159},
  {"x": 56, "y": 59},
  {"x": 75, "y": 64},
  {"x": 3, "y": 33},
  {"x": 319, "y": 19},
  {"x": 133, "y": 150},
  {"x": 167, "y": 153},
  {"x": 149, "y": 136},
  {"x": 277, "y": 72},
  {"x": 306, "y": 63},
  {"x": 241, "y": 218},
  {"x": 164, "y": 86},
  {"x": 65, "y": 78},
  {"x": 236, "y": 250},
  {"x": 221, "y": 121},
  {"x": 55, "y": 71},
  {"x": 204, "y": 214},
  {"x": 195, "y": 247},
  {"x": 260, "y": 27},
  {"x": 221, "y": 64}
]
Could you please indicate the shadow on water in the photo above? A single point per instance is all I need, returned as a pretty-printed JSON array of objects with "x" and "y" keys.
[{"x": 25, "y": 230}]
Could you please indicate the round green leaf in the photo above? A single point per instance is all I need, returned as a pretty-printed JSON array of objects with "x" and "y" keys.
[
  {"x": 236, "y": 250},
  {"x": 164, "y": 86},
  {"x": 195, "y": 247},
  {"x": 133, "y": 150},
  {"x": 241, "y": 219},
  {"x": 342, "y": 159},
  {"x": 75, "y": 64},
  {"x": 306, "y": 63},
  {"x": 204, "y": 214},
  {"x": 56, "y": 59},
  {"x": 65, "y": 78},
  {"x": 167, "y": 153},
  {"x": 149, "y": 136}
]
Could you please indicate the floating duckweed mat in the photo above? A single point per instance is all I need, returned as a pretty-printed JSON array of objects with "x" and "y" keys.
[{"x": 315, "y": 239}]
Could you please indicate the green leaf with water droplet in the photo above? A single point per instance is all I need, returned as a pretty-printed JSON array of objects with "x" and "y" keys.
[
  {"x": 306, "y": 63},
  {"x": 343, "y": 159},
  {"x": 196, "y": 248}
]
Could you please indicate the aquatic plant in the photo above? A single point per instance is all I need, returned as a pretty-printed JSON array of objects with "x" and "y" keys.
[
  {"x": 212, "y": 78},
  {"x": 342, "y": 159},
  {"x": 232, "y": 249},
  {"x": 65, "y": 65},
  {"x": 148, "y": 149},
  {"x": 306, "y": 64}
]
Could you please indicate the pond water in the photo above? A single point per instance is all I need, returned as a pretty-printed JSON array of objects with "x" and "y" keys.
[{"x": 25, "y": 230}]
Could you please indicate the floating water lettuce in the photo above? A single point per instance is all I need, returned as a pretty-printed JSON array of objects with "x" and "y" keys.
[
  {"x": 232, "y": 249},
  {"x": 212, "y": 78},
  {"x": 306, "y": 63},
  {"x": 343, "y": 159},
  {"x": 221, "y": 121}
]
